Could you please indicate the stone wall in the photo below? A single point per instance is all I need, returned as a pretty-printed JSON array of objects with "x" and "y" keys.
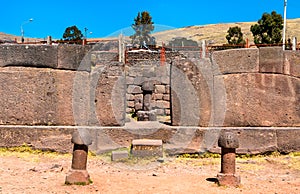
[
  {"x": 48, "y": 91},
  {"x": 140, "y": 71},
  {"x": 236, "y": 88},
  {"x": 56, "y": 85},
  {"x": 260, "y": 88}
]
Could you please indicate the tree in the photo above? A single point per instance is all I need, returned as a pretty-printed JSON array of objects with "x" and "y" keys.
[
  {"x": 183, "y": 42},
  {"x": 72, "y": 33},
  {"x": 143, "y": 26},
  {"x": 235, "y": 36},
  {"x": 268, "y": 29}
]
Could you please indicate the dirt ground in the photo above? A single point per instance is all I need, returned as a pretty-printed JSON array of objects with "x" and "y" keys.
[{"x": 45, "y": 173}]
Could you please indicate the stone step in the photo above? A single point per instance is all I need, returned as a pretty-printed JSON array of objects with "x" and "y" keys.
[
  {"x": 119, "y": 155},
  {"x": 147, "y": 148}
]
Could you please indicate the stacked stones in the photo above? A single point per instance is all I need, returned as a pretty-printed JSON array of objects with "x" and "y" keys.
[
  {"x": 147, "y": 114},
  {"x": 143, "y": 97}
]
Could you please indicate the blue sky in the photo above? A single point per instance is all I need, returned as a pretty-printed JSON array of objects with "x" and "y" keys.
[{"x": 104, "y": 17}]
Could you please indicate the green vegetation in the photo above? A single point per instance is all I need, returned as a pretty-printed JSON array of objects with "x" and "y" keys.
[
  {"x": 143, "y": 26},
  {"x": 235, "y": 36},
  {"x": 183, "y": 42},
  {"x": 268, "y": 29},
  {"x": 80, "y": 183},
  {"x": 72, "y": 33},
  {"x": 25, "y": 149}
]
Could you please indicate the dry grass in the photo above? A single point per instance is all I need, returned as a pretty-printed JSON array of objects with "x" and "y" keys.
[{"x": 216, "y": 33}]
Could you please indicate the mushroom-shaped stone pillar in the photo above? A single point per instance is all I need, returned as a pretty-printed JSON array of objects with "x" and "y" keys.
[
  {"x": 228, "y": 142},
  {"x": 78, "y": 173}
]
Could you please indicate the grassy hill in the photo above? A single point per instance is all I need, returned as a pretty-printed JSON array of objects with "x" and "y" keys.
[
  {"x": 216, "y": 33},
  {"x": 9, "y": 37}
]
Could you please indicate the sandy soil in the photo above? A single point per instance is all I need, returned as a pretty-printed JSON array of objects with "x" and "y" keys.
[{"x": 45, "y": 173}]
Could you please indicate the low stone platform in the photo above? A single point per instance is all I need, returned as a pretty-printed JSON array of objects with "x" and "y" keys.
[
  {"x": 176, "y": 139},
  {"x": 119, "y": 155},
  {"x": 147, "y": 148}
]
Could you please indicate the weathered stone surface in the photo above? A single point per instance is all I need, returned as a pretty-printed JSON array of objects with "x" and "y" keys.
[
  {"x": 39, "y": 97},
  {"x": 177, "y": 140},
  {"x": 271, "y": 60},
  {"x": 147, "y": 148},
  {"x": 160, "y": 89},
  {"x": 257, "y": 100},
  {"x": 168, "y": 112},
  {"x": 228, "y": 140},
  {"x": 99, "y": 57},
  {"x": 133, "y": 89},
  {"x": 237, "y": 61},
  {"x": 147, "y": 115},
  {"x": 229, "y": 180},
  {"x": 79, "y": 159},
  {"x": 28, "y": 55},
  {"x": 148, "y": 86},
  {"x": 158, "y": 96},
  {"x": 138, "y": 98},
  {"x": 168, "y": 89},
  {"x": 138, "y": 106},
  {"x": 288, "y": 139},
  {"x": 119, "y": 155},
  {"x": 74, "y": 57},
  {"x": 44, "y": 138},
  {"x": 78, "y": 177},
  {"x": 191, "y": 92},
  {"x": 252, "y": 140},
  {"x": 162, "y": 104},
  {"x": 292, "y": 63},
  {"x": 166, "y": 97},
  {"x": 129, "y": 96},
  {"x": 108, "y": 103},
  {"x": 130, "y": 104},
  {"x": 81, "y": 137}
]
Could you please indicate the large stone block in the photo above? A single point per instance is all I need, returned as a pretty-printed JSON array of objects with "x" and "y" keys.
[
  {"x": 44, "y": 138},
  {"x": 74, "y": 57},
  {"x": 288, "y": 139},
  {"x": 177, "y": 140},
  {"x": 28, "y": 55},
  {"x": 191, "y": 89},
  {"x": 147, "y": 148},
  {"x": 236, "y": 61},
  {"x": 108, "y": 96},
  {"x": 271, "y": 60},
  {"x": 40, "y": 97},
  {"x": 257, "y": 100},
  {"x": 292, "y": 63}
]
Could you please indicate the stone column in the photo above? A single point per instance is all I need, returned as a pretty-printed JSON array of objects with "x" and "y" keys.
[
  {"x": 147, "y": 114},
  {"x": 49, "y": 40},
  {"x": 78, "y": 173},
  {"x": 294, "y": 43},
  {"x": 228, "y": 142}
]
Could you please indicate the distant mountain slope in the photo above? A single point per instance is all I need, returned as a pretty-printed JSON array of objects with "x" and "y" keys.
[
  {"x": 10, "y": 38},
  {"x": 216, "y": 33}
]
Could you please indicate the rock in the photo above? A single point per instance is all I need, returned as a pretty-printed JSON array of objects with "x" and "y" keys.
[
  {"x": 160, "y": 89},
  {"x": 257, "y": 100},
  {"x": 81, "y": 137},
  {"x": 148, "y": 86},
  {"x": 118, "y": 155},
  {"x": 228, "y": 140},
  {"x": 147, "y": 148},
  {"x": 133, "y": 89}
]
